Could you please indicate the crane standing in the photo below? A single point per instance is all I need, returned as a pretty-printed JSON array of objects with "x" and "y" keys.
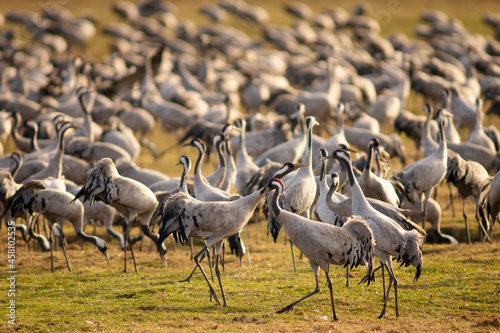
[
  {"x": 130, "y": 198},
  {"x": 324, "y": 244}
]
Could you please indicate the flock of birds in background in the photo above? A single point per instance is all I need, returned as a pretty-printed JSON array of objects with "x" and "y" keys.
[{"x": 252, "y": 96}]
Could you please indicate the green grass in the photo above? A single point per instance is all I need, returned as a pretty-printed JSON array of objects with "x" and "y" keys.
[{"x": 459, "y": 290}]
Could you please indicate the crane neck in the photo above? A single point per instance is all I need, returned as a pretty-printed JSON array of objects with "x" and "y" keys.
[
  {"x": 368, "y": 163},
  {"x": 222, "y": 159},
  {"x": 228, "y": 154},
  {"x": 242, "y": 146},
  {"x": 275, "y": 204},
  {"x": 442, "y": 144},
  {"x": 307, "y": 157},
  {"x": 17, "y": 167},
  {"x": 359, "y": 199},
  {"x": 197, "y": 167},
  {"x": 183, "y": 182}
]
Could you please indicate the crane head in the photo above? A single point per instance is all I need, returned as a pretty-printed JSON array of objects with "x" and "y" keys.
[{"x": 288, "y": 168}]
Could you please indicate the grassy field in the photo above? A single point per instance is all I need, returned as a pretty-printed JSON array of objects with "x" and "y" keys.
[{"x": 459, "y": 289}]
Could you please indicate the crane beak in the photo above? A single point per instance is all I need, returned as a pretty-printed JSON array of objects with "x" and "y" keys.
[
  {"x": 447, "y": 113},
  {"x": 300, "y": 165},
  {"x": 187, "y": 144},
  {"x": 75, "y": 126},
  {"x": 106, "y": 255},
  {"x": 327, "y": 157}
]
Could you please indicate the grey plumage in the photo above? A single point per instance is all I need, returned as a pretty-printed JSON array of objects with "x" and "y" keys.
[
  {"x": 130, "y": 198},
  {"x": 325, "y": 244},
  {"x": 391, "y": 239}
]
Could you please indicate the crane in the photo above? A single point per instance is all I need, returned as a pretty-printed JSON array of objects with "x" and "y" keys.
[
  {"x": 391, "y": 239},
  {"x": 324, "y": 244},
  {"x": 57, "y": 207},
  {"x": 129, "y": 197}
]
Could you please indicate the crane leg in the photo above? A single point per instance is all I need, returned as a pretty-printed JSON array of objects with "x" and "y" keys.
[
  {"x": 248, "y": 249},
  {"x": 51, "y": 242},
  {"x": 191, "y": 246},
  {"x": 207, "y": 253},
  {"x": 423, "y": 205},
  {"x": 330, "y": 286},
  {"x": 386, "y": 296},
  {"x": 132, "y": 252},
  {"x": 217, "y": 272},
  {"x": 125, "y": 241},
  {"x": 464, "y": 214},
  {"x": 293, "y": 257},
  {"x": 383, "y": 282},
  {"x": 451, "y": 200},
  {"x": 482, "y": 220},
  {"x": 223, "y": 255},
  {"x": 347, "y": 276},
  {"x": 197, "y": 261},
  {"x": 62, "y": 243},
  {"x": 289, "y": 307},
  {"x": 161, "y": 250}
]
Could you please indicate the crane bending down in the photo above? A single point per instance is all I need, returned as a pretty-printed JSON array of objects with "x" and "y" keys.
[
  {"x": 211, "y": 221},
  {"x": 130, "y": 198},
  {"x": 324, "y": 244},
  {"x": 55, "y": 206},
  {"x": 391, "y": 239}
]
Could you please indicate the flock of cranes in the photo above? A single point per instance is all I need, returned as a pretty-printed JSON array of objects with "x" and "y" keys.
[{"x": 78, "y": 125}]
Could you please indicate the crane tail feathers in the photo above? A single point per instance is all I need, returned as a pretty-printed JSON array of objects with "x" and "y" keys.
[
  {"x": 410, "y": 251},
  {"x": 363, "y": 251},
  {"x": 236, "y": 245}
]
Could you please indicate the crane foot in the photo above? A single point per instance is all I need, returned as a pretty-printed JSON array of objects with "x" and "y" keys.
[
  {"x": 382, "y": 315},
  {"x": 212, "y": 294},
  {"x": 286, "y": 309}
]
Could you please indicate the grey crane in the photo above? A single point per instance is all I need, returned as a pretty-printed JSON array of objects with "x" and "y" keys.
[
  {"x": 301, "y": 188},
  {"x": 374, "y": 186},
  {"x": 217, "y": 177},
  {"x": 129, "y": 197},
  {"x": 56, "y": 206},
  {"x": 210, "y": 221},
  {"x": 338, "y": 137},
  {"x": 130, "y": 169},
  {"x": 325, "y": 244},
  {"x": 391, "y": 239},
  {"x": 99, "y": 211},
  {"x": 288, "y": 151},
  {"x": 230, "y": 174},
  {"x": 8, "y": 188},
  {"x": 425, "y": 174},
  {"x": 477, "y": 135},
  {"x": 469, "y": 178},
  {"x": 204, "y": 191},
  {"x": 427, "y": 142},
  {"x": 122, "y": 136},
  {"x": 246, "y": 167},
  {"x": 94, "y": 151},
  {"x": 54, "y": 168},
  {"x": 491, "y": 198},
  {"x": 44, "y": 153},
  {"x": 342, "y": 205},
  {"x": 323, "y": 212}
]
